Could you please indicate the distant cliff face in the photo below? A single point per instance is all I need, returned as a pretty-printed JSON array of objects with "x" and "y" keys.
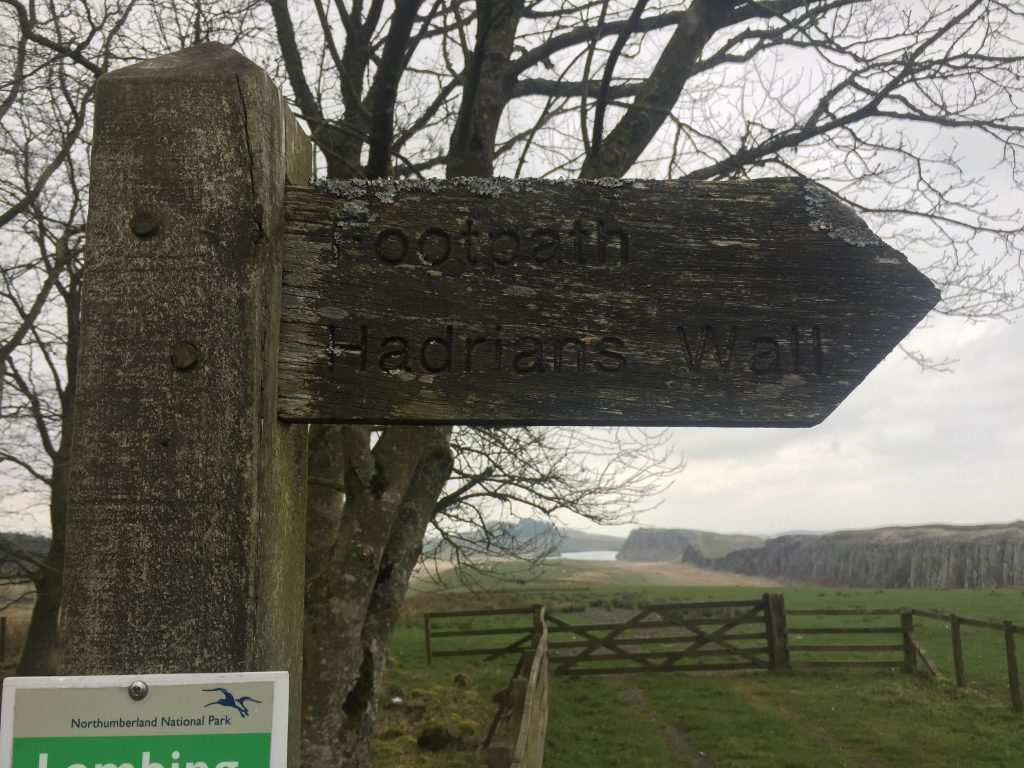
[
  {"x": 650, "y": 545},
  {"x": 925, "y": 556}
]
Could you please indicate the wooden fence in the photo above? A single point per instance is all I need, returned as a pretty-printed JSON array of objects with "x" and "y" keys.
[
  {"x": 726, "y": 636},
  {"x": 672, "y": 637},
  {"x": 516, "y": 736},
  {"x": 1010, "y": 632},
  {"x": 825, "y": 654},
  {"x": 524, "y": 634}
]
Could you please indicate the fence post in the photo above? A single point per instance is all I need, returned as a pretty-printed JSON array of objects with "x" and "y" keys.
[
  {"x": 538, "y": 622},
  {"x": 426, "y": 638},
  {"x": 958, "y": 651},
  {"x": 1011, "y": 667},
  {"x": 518, "y": 688},
  {"x": 539, "y": 705},
  {"x": 3, "y": 639},
  {"x": 186, "y": 523},
  {"x": 909, "y": 652},
  {"x": 778, "y": 639}
]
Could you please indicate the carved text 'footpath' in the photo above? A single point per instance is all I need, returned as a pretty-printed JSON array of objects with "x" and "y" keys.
[{"x": 583, "y": 242}]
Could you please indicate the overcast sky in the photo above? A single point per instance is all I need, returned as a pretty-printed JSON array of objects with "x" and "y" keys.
[{"x": 906, "y": 447}]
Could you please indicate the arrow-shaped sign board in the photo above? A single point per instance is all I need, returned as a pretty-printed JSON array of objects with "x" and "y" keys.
[{"x": 480, "y": 301}]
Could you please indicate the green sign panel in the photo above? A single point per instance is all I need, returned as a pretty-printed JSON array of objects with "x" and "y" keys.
[{"x": 236, "y": 720}]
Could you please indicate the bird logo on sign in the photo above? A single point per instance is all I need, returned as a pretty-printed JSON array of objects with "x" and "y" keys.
[{"x": 228, "y": 699}]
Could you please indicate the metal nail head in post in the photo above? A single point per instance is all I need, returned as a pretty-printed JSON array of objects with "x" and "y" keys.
[
  {"x": 145, "y": 223},
  {"x": 138, "y": 690},
  {"x": 184, "y": 355}
]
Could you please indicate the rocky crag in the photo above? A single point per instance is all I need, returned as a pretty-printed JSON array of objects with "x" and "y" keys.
[
  {"x": 922, "y": 556},
  {"x": 653, "y": 545}
]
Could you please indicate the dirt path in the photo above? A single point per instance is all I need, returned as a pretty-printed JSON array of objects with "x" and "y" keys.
[{"x": 673, "y": 736}]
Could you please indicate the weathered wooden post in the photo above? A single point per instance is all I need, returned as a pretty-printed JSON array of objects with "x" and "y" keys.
[
  {"x": 186, "y": 524},
  {"x": 538, "y": 623},
  {"x": 1012, "y": 672},
  {"x": 958, "y": 651},
  {"x": 909, "y": 650},
  {"x": 778, "y": 640},
  {"x": 426, "y": 638}
]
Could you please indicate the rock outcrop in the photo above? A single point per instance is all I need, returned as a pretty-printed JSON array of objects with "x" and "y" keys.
[
  {"x": 650, "y": 545},
  {"x": 924, "y": 556}
]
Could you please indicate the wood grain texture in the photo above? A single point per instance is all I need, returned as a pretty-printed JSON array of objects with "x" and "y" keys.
[
  {"x": 517, "y": 733},
  {"x": 775, "y": 626},
  {"x": 1012, "y": 671},
  {"x": 909, "y": 647},
  {"x": 756, "y": 303},
  {"x": 186, "y": 525}
]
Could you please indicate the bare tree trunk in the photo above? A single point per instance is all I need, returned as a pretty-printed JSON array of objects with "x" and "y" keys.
[
  {"x": 399, "y": 559},
  {"x": 487, "y": 91},
  {"x": 341, "y": 140},
  {"x": 39, "y": 656},
  {"x": 363, "y": 539},
  {"x": 658, "y": 93},
  {"x": 365, "y": 534}
]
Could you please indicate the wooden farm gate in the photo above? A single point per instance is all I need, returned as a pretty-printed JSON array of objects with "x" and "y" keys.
[
  {"x": 436, "y": 626},
  {"x": 674, "y": 637}
]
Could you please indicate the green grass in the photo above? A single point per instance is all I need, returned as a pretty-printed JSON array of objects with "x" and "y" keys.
[
  {"x": 592, "y": 724},
  {"x": 984, "y": 649},
  {"x": 854, "y": 718},
  {"x": 878, "y": 717},
  {"x": 430, "y": 694}
]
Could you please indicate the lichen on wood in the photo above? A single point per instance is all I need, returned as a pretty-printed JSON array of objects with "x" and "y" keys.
[{"x": 753, "y": 303}]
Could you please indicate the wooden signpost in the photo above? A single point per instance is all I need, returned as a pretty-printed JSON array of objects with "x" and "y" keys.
[
  {"x": 753, "y": 303},
  {"x": 221, "y": 302},
  {"x": 186, "y": 522}
]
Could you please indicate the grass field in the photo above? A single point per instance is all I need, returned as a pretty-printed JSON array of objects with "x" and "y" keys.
[{"x": 805, "y": 718}]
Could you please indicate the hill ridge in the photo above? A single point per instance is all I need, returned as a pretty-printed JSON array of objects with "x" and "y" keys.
[{"x": 932, "y": 555}]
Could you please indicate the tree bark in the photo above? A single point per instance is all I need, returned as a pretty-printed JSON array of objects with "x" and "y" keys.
[
  {"x": 41, "y": 652},
  {"x": 365, "y": 532},
  {"x": 340, "y": 143},
  {"x": 396, "y": 565},
  {"x": 659, "y": 92},
  {"x": 489, "y": 86},
  {"x": 359, "y": 558}
]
